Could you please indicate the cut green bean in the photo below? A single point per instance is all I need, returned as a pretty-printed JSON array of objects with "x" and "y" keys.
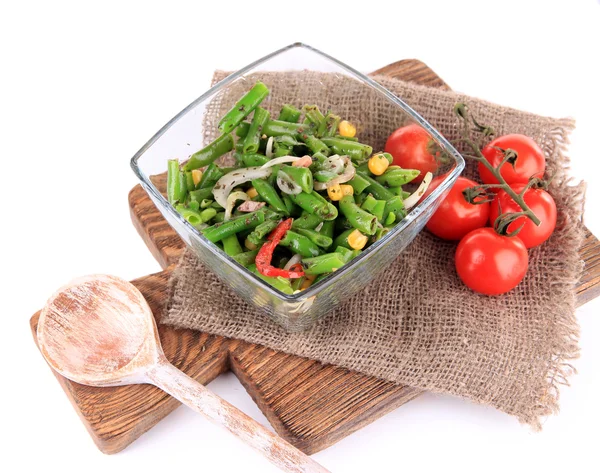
[
  {"x": 262, "y": 230},
  {"x": 317, "y": 238},
  {"x": 363, "y": 221},
  {"x": 332, "y": 122},
  {"x": 246, "y": 258},
  {"x": 374, "y": 206},
  {"x": 242, "y": 130},
  {"x": 210, "y": 176},
  {"x": 314, "y": 144},
  {"x": 357, "y": 151},
  {"x": 307, "y": 220},
  {"x": 200, "y": 194},
  {"x": 326, "y": 263},
  {"x": 375, "y": 188},
  {"x": 251, "y": 160},
  {"x": 189, "y": 181},
  {"x": 282, "y": 284},
  {"x": 320, "y": 277},
  {"x": 359, "y": 183},
  {"x": 219, "y": 218},
  {"x": 270, "y": 195},
  {"x": 289, "y": 205},
  {"x": 231, "y": 245},
  {"x": 315, "y": 204},
  {"x": 223, "y": 144},
  {"x": 396, "y": 206},
  {"x": 301, "y": 176},
  {"x": 192, "y": 216},
  {"x": 243, "y": 107},
  {"x": 222, "y": 230},
  {"x": 281, "y": 128},
  {"x": 347, "y": 138},
  {"x": 173, "y": 181},
  {"x": 325, "y": 176},
  {"x": 347, "y": 254},
  {"x": 252, "y": 140},
  {"x": 314, "y": 115},
  {"x": 328, "y": 228},
  {"x": 395, "y": 176},
  {"x": 289, "y": 113},
  {"x": 300, "y": 244}
]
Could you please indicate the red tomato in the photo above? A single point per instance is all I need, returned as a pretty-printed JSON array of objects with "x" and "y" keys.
[
  {"x": 490, "y": 263},
  {"x": 540, "y": 202},
  {"x": 455, "y": 217},
  {"x": 409, "y": 146},
  {"x": 530, "y": 160}
]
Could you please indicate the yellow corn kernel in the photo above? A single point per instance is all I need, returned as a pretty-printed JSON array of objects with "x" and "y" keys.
[
  {"x": 335, "y": 192},
  {"x": 357, "y": 240},
  {"x": 308, "y": 281},
  {"x": 196, "y": 176},
  {"x": 251, "y": 193},
  {"x": 378, "y": 164},
  {"x": 347, "y": 129},
  {"x": 249, "y": 245},
  {"x": 347, "y": 189}
]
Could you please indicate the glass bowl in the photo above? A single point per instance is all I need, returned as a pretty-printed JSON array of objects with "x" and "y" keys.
[{"x": 297, "y": 74}]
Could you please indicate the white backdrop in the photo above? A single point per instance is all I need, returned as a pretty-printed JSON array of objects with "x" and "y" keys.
[{"x": 83, "y": 86}]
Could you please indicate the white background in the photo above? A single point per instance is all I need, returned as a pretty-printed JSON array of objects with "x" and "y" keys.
[{"x": 82, "y": 87}]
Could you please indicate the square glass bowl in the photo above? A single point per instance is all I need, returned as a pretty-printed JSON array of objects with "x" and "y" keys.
[{"x": 297, "y": 74}]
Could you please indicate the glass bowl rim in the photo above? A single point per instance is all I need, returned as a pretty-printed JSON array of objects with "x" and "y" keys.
[{"x": 314, "y": 289}]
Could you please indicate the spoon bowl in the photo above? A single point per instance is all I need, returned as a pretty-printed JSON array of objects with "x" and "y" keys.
[{"x": 99, "y": 330}]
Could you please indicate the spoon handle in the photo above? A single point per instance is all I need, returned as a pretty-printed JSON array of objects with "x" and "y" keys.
[{"x": 193, "y": 394}]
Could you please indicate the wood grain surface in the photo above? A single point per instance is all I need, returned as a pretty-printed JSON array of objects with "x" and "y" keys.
[{"x": 309, "y": 404}]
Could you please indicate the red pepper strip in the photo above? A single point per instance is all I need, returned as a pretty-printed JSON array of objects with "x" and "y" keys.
[{"x": 265, "y": 254}]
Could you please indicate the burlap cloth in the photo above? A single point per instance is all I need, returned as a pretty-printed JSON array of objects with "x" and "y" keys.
[{"x": 418, "y": 325}]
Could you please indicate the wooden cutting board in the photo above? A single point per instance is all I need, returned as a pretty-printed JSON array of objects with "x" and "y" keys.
[{"x": 309, "y": 404}]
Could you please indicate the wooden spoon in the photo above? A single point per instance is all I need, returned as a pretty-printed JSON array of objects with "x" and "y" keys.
[{"x": 99, "y": 331}]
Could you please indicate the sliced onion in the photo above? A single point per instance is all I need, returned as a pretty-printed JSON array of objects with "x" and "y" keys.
[
  {"x": 287, "y": 185},
  {"x": 318, "y": 227},
  {"x": 281, "y": 160},
  {"x": 347, "y": 175},
  {"x": 269, "y": 150},
  {"x": 293, "y": 260},
  {"x": 412, "y": 199},
  {"x": 334, "y": 164},
  {"x": 235, "y": 178},
  {"x": 231, "y": 199}
]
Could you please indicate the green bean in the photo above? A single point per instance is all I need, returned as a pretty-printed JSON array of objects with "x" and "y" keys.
[
  {"x": 200, "y": 194},
  {"x": 375, "y": 188},
  {"x": 306, "y": 220},
  {"x": 297, "y": 283},
  {"x": 360, "y": 198},
  {"x": 280, "y": 150},
  {"x": 314, "y": 115},
  {"x": 252, "y": 140},
  {"x": 221, "y": 230},
  {"x": 208, "y": 214},
  {"x": 281, "y": 128},
  {"x": 325, "y": 176},
  {"x": 223, "y": 144},
  {"x": 396, "y": 206},
  {"x": 347, "y": 254},
  {"x": 317, "y": 238},
  {"x": 390, "y": 219},
  {"x": 219, "y": 218},
  {"x": 314, "y": 203},
  {"x": 328, "y": 228},
  {"x": 374, "y": 206},
  {"x": 242, "y": 130},
  {"x": 314, "y": 144},
  {"x": 359, "y": 183},
  {"x": 183, "y": 189},
  {"x": 379, "y": 234},
  {"x": 195, "y": 205},
  {"x": 287, "y": 140},
  {"x": 289, "y": 113},
  {"x": 331, "y": 122},
  {"x": 388, "y": 156},
  {"x": 270, "y": 195},
  {"x": 192, "y": 216},
  {"x": 342, "y": 239},
  {"x": 231, "y": 245},
  {"x": 397, "y": 190},
  {"x": 173, "y": 181},
  {"x": 395, "y": 176},
  {"x": 301, "y": 176},
  {"x": 251, "y": 160},
  {"x": 205, "y": 203},
  {"x": 326, "y": 263},
  {"x": 319, "y": 278},
  {"x": 355, "y": 150},
  {"x": 342, "y": 224},
  {"x": 359, "y": 218},
  {"x": 246, "y": 258},
  {"x": 260, "y": 232},
  {"x": 347, "y": 138},
  {"x": 189, "y": 181},
  {"x": 300, "y": 244},
  {"x": 210, "y": 176},
  {"x": 243, "y": 107},
  {"x": 282, "y": 284},
  {"x": 289, "y": 205}
]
